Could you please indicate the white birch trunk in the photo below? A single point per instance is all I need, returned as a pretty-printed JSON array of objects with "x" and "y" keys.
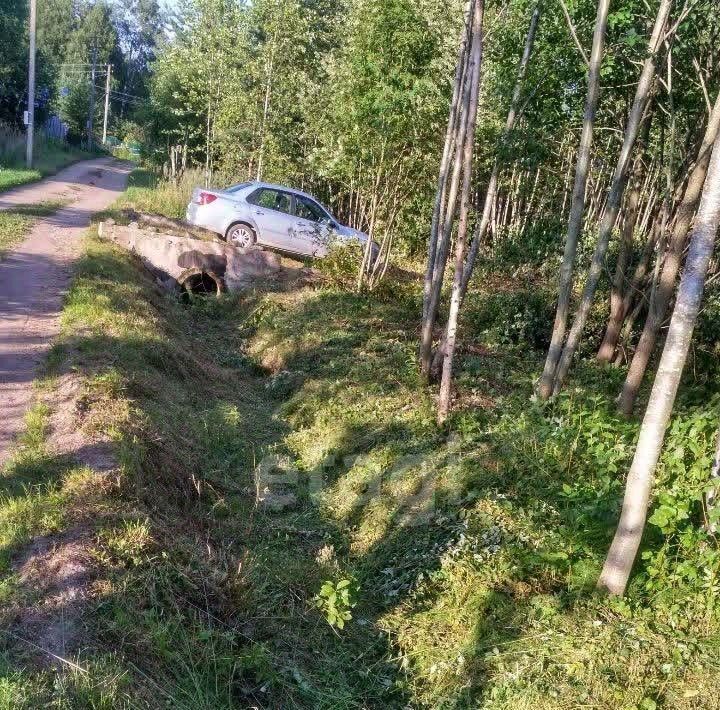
[
  {"x": 461, "y": 240},
  {"x": 619, "y": 562},
  {"x": 443, "y": 352},
  {"x": 446, "y": 159},
  {"x": 577, "y": 206}
]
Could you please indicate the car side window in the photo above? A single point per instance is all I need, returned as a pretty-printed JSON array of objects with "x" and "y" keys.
[
  {"x": 307, "y": 209},
  {"x": 271, "y": 199}
]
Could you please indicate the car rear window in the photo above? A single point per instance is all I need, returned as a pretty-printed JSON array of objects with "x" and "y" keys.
[{"x": 235, "y": 188}]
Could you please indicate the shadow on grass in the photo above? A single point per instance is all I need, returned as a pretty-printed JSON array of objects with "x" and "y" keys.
[{"x": 214, "y": 607}]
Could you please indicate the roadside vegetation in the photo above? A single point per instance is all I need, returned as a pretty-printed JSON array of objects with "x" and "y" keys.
[
  {"x": 50, "y": 156},
  {"x": 487, "y": 476},
  {"x": 462, "y": 561},
  {"x": 15, "y": 223}
]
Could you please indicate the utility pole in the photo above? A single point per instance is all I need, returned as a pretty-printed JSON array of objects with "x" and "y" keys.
[
  {"x": 107, "y": 102},
  {"x": 91, "y": 109},
  {"x": 31, "y": 87}
]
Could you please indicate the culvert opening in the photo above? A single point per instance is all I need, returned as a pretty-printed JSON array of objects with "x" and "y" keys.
[{"x": 200, "y": 283}]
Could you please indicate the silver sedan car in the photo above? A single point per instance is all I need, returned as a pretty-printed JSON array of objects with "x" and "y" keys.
[{"x": 272, "y": 216}]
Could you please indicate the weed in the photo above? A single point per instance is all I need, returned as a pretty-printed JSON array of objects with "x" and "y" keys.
[{"x": 335, "y": 600}]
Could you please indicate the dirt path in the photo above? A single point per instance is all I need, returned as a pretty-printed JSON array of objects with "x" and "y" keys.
[{"x": 35, "y": 275}]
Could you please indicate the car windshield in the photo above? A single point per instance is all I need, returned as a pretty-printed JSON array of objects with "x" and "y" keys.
[
  {"x": 327, "y": 211},
  {"x": 311, "y": 210}
]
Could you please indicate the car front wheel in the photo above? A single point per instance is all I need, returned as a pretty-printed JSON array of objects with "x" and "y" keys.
[{"x": 240, "y": 235}]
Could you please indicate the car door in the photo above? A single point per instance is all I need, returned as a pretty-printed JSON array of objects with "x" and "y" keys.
[
  {"x": 272, "y": 211},
  {"x": 313, "y": 227}
]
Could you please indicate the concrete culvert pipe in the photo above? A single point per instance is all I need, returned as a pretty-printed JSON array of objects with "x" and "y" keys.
[{"x": 201, "y": 282}]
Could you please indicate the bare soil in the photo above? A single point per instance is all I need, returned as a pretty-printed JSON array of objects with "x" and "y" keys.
[
  {"x": 56, "y": 571},
  {"x": 35, "y": 276}
]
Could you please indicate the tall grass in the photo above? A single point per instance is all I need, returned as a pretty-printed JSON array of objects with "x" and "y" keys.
[
  {"x": 12, "y": 145},
  {"x": 148, "y": 191},
  {"x": 50, "y": 156}
]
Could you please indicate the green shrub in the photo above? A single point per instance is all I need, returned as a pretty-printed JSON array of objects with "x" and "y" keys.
[
  {"x": 340, "y": 267},
  {"x": 513, "y": 318}
]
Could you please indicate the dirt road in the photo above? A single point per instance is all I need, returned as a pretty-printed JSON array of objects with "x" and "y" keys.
[{"x": 35, "y": 275}]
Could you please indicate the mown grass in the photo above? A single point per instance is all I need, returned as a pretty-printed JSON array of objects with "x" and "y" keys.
[
  {"x": 471, "y": 551},
  {"x": 16, "y": 222}
]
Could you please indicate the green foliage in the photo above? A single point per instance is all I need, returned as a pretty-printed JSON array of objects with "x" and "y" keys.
[
  {"x": 519, "y": 317},
  {"x": 335, "y": 600},
  {"x": 350, "y": 100},
  {"x": 708, "y": 325},
  {"x": 13, "y": 58},
  {"x": 536, "y": 246},
  {"x": 340, "y": 267},
  {"x": 69, "y": 34}
]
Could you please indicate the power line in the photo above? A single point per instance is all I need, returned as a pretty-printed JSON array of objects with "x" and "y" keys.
[
  {"x": 124, "y": 95},
  {"x": 79, "y": 72}
]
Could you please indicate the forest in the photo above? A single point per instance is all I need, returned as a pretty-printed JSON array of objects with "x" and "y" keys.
[
  {"x": 503, "y": 434},
  {"x": 606, "y": 139},
  {"x": 71, "y": 37}
]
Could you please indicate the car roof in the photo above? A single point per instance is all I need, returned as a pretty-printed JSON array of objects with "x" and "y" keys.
[{"x": 272, "y": 186}]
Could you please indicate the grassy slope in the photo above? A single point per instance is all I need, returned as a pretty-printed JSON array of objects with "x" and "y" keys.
[{"x": 480, "y": 595}]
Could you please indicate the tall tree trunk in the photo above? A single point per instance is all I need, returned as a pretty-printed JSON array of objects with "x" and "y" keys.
[
  {"x": 443, "y": 242},
  {"x": 467, "y": 160},
  {"x": 577, "y": 206},
  {"x": 207, "y": 142},
  {"x": 673, "y": 260},
  {"x": 632, "y": 208},
  {"x": 463, "y": 271},
  {"x": 266, "y": 110},
  {"x": 642, "y": 93},
  {"x": 619, "y": 562},
  {"x": 635, "y": 293},
  {"x": 446, "y": 160},
  {"x": 490, "y": 194}
]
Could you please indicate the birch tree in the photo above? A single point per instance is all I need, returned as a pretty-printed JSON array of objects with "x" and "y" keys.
[
  {"x": 622, "y": 553},
  {"x": 464, "y": 267},
  {"x": 614, "y": 200},
  {"x": 630, "y": 218},
  {"x": 577, "y": 208},
  {"x": 465, "y": 123},
  {"x": 446, "y": 160},
  {"x": 460, "y": 241}
]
